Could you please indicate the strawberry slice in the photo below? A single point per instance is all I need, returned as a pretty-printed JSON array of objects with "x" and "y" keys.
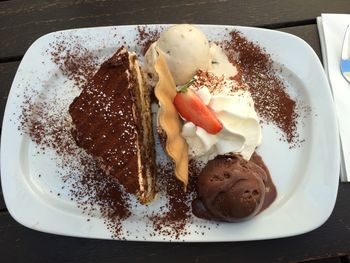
[{"x": 192, "y": 108}]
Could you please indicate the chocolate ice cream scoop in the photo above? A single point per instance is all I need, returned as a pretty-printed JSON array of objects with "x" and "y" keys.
[{"x": 231, "y": 189}]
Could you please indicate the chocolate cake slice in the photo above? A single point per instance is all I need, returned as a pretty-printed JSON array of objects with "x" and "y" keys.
[{"x": 112, "y": 122}]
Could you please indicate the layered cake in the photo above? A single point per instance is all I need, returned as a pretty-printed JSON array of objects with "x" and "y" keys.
[{"x": 112, "y": 122}]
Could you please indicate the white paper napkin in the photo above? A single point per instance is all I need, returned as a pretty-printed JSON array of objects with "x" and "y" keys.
[{"x": 332, "y": 28}]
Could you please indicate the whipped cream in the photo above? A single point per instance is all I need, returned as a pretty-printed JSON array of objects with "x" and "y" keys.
[{"x": 233, "y": 105}]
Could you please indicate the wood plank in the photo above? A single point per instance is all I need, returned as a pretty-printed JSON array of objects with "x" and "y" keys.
[
  {"x": 2, "y": 201},
  {"x": 7, "y": 73},
  {"x": 330, "y": 240},
  {"x": 325, "y": 260},
  {"x": 24, "y": 21}
]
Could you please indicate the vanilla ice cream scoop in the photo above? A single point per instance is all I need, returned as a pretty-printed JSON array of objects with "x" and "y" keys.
[{"x": 186, "y": 50}]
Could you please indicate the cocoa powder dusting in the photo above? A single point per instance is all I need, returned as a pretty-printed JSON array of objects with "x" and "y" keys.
[
  {"x": 46, "y": 125},
  {"x": 146, "y": 37},
  {"x": 95, "y": 188},
  {"x": 75, "y": 61},
  {"x": 174, "y": 216},
  {"x": 272, "y": 102}
]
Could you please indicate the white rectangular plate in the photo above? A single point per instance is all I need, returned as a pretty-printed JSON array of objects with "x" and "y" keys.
[{"x": 306, "y": 177}]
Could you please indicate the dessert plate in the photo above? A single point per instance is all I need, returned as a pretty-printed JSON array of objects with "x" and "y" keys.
[{"x": 306, "y": 176}]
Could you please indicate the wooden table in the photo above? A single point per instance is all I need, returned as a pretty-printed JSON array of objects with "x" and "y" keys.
[{"x": 23, "y": 21}]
